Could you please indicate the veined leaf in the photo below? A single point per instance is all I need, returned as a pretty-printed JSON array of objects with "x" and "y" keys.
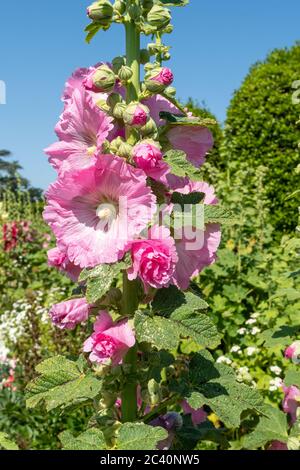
[
  {"x": 272, "y": 427},
  {"x": 92, "y": 439},
  {"x": 180, "y": 166},
  {"x": 139, "y": 436},
  {"x": 6, "y": 443}
]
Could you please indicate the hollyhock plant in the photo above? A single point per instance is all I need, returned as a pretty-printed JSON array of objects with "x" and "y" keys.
[
  {"x": 110, "y": 340},
  {"x": 58, "y": 259},
  {"x": 96, "y": 211},
  {"x": 154, "y": 259},
  {"x": 291, "y": 401},
  {"x": 148, "y": 157},
  {"x": 67, "y": 315},
  {"x": 82, "y": 129}
]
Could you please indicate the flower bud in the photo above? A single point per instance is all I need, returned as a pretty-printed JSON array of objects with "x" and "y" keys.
[
  {"x": 147, "y": 155},
  {"x": 171, "y": 91},
  {"x": 166, "y": 56},
  {"x": 113, "y": 99},
  {"x": 102, "y": 79},
  {"x": 125, "y": 73},
  {"x": 119, "y": 110},
  {"x": 120, "y": 7},
  {"x": 150, "y": 129},
  {"x": 134, "y": 11},
  {"x": 159, "y": 17},
  {"x": 144, "y": 56},
  {"x": 136, "y": 115},
  {"x": 159, "y": 79},
  {"x": 147, "y": 5},
  {"x": 115, "y": 145},
  {"x": 117, "y": 63},
  {"x": 125, "y": 150},
  {"x": 101, "y": 12},
  {"x": 154, "y": 392}
]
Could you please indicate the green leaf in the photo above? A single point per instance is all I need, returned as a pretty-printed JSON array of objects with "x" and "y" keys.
[
  {"x": 61, "y": 383},
  {"x": 292, "y": 377},
  {"x": 100, "y": 278},
  {"x": 172, "y": 300},
  {"x": 187, "y": 199},
  {"x": 92, "y": 439},
  {"x": 180, "y": 166},
  {"x": 92, "y": 29},
  {"x": 215, "y": 385},
  {"x": 182, "y": 120},
  {"x": 6, "y": 443},
  {"x": 291, "y": 294},
  {"x": 278, "y": 336},
  {"x": 272, "y": 427},
  {"x": 139, "y": 436},
  {"x": 218, "y": 215},
  {"x": 158, "y": 331}
]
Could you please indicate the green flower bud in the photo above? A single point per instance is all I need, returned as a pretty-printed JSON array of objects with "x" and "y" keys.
[
  {"x": 154, "y": 392},
  {"x": 119, "y": 110},
  {"x": 171, "y": 91},
  {"x": 113, "y": 99},
  {"x": 159, "y": 17},
  {"x": 125, "y": 73},
  {"x": 125, "y": 150},
  {"x": 117, "y": 63},
  {"x": 105, "y": 147},
  {"x": 115, "y": 145},
  {"x": 150, "y": 129},
  {"x": 147, "y": 5},
  {"x": 101, "y": 12},
  {"x": 134, "y": 12},
  {"x": 120, "y": 7},
  {"x": 104, "y": 79},
  {"x": 169, "y": 29},
  {"x": 166, "y": 56},
  {"x": 136, "y": 115},
  {"x": 144, "y": 56}
]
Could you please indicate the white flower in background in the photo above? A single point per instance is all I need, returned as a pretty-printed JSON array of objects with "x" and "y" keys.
[
  {"x": 251, "y": 350},
  {"x": 243, "y": 375},
  {"x": 4, "y": 351},
  {"x": 242, "y": 331},
  {"x": 255, "y": 331},
  {"x": 236, "y": 350},
  {"x": 275, "y": 384},
  {"x": 224, "y": 360},
  {"x": 251, "y": 321},
  {"x": 276, "y": 370}
]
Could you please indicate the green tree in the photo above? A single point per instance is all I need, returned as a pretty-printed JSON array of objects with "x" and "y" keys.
[{"x": 261, "y": 129}]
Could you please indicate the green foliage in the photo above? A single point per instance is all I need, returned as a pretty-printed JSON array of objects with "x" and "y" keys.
[
  {"x": 6, "y": 443},
  {"x": 139, "y": 436},
  {"x": 272, "y": 427},
  {"x": 261, "y": 130},
  {"x": 180, "y": 166},
  {"x": 92, "y": 439}
]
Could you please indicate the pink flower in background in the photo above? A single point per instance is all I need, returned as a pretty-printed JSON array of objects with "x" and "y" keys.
[
  {"x": 95, "y": 212},
  {"x": 148, "y": 157},
  {"x": 198, "y": 416},
  {"x": 195, "y": 141},
  {"x": 58, "y": 259},
  {"x": 110, "y": 340},
  {"x": 293, "y": 352},
  {"x": 154, "y": 259},
  {"x": 291, "y": 401},
  {"x": 68, "y": 314},
  {"x": 82, "y": 129}
]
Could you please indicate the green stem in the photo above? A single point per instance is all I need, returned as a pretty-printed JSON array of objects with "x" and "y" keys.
[{"x": 130, "y": 289}]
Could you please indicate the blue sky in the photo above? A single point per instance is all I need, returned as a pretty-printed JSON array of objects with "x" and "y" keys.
[{"x": 41, "y": 43}]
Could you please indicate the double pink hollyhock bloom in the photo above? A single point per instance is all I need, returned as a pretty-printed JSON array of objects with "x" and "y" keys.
[
  {"x": 149, "y": 158},
  {"x": 293, "y": 352},
  {"x": 110, "y": 340},
  {"x": 57, "y": 258},
  {"x": 68, "y": 314},
  {"x": 154, "y": 259},
  {"x": 198, "y": 416},
  {"x": 164, "y": 77},
  {"x": 291, "y": 401}
]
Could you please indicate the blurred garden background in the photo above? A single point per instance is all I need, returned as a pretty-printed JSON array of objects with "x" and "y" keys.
[{"x": 253, "y": 289}]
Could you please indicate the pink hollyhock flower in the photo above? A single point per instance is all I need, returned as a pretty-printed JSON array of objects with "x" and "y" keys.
[
  {"x": 291, "y": 401},
  {"x": 277, "y": 445},
  {"x": 195, "y": 141},
  {"x": 136, "y": 115},
  {"x": 293, "y": 352},
  {"x": 75, "y": 82},
  {"x": 110, "y": 340},
  {"x": 82, "y": 129},
  {"x": 148, "y": 157},
  {"x": 58, "y": 259},
  {"x": 164, "y": 77},
  {"x": 68, "y": 314},
  {"x": 154, "y": 259},
  {"x": 95, "y": 212},
  {"x": 198, "y": 416},
  {"x": 158, "y": 103}
]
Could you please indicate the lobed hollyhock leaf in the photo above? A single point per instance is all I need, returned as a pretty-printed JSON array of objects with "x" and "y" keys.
[
  {"x": 218, "y": 215},
  {"x": 61, "y": 383},
  {"x": 92, "y": 439},
  {"x": 292, "y": 377},
  {"x": 272, "y": 427},
  {"x": 139, "y": 436},
  {"x": 279, "y": 336},
  {"x": 171, "y": 300},
  {"x": 180, "y": 166},
  {"x": 100, "y": 278},
  {"x": 215, "y": 385},
  {"x": 6, "y": 443}
]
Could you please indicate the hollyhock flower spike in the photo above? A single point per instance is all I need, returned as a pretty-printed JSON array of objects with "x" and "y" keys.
[
  {"x": 110, "y": 340},
  {"x": 58, "y": 259},
  {"x": 95, "y": 212},
  {"x": 67, "y": 315},
  {"x": 82, "y": 130},
  {"x": 154, "y": 259}
]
